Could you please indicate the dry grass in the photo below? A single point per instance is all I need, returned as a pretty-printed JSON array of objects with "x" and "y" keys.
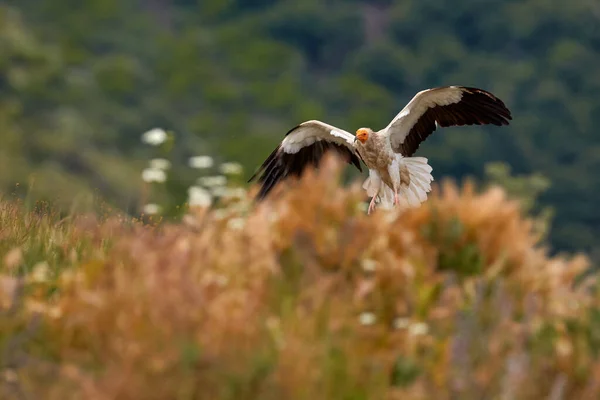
[{"x": 303, "y": 297}]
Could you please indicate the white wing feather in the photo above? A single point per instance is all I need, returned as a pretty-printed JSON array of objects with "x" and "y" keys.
[
  {"x": 286, "y": 161},
  {"x": 400, "y": 126},
  {"x": 312, "y": 131}
]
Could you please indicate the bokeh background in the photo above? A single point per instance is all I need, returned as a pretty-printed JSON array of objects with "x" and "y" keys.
[{"x": 81, "y": 81}]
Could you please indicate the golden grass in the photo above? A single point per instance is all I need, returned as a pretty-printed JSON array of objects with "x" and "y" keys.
[{"x": 303, "y": 297}]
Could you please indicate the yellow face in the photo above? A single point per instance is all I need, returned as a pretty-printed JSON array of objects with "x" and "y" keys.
[{"x": 362, "y": 134}]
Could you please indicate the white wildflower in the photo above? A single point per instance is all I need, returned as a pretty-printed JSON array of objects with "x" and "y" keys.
[
  {"x": 564, "y": 347},
  {"x": 199, "y": 197},
  {"x": 236, "y": 224},
  {"x": 160, "y": 163},
  {"x": 154, "y": 175},
  {"x": 369, "y": 265},
  {"x": 40, "y": 272},
  {"x": 239, "y": 207},
  {"x": 238, "y": 193},
  {"x": 212, "y": 181},
  {"x": 221, "y": 191},
  {"x": 401, "y": 323},
  {"x": 201, "y": 162},
  {"x": 154, "y": 137},
  {"x": 231, "y": 168},
  {"x": 220, "y": 214},
  {"x": 367, "y": 318},
  {"x": 151, "y": 209},
  {"x": 418, "y": 328},
  {"x": 228, "y": 192}
]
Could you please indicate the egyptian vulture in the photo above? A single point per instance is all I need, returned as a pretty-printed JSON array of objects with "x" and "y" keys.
[{"x": 395, "y": 176}]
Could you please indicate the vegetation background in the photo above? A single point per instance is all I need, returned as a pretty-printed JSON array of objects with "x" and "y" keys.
[
  {"x": 304, "y": 296},
  {"x": 81, "y": 81}
]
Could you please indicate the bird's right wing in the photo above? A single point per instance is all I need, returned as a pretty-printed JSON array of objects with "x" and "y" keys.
[
  {"x": 442, "y": 107},
  {"x": 303, "y": 146}
]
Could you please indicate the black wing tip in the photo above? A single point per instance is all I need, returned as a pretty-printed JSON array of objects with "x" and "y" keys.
[
  {"x": 253, "y": 177},
  {"x": 279, "y": 166},
  {"x": 491, "y": 102},
  {"x": 265, "y": 165},
  {"x": 476, "y": 107}
]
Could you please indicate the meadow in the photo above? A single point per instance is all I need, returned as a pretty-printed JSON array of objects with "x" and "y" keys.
[{"x": 303, "y": 296}]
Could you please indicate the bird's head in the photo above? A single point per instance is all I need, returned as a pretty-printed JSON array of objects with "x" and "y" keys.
[{"x": 363, "y": 134}]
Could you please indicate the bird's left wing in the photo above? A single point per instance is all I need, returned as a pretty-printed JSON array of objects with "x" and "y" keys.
[
  {"x": 303, "y": 146},
  {"x": 443, "y": 106}
]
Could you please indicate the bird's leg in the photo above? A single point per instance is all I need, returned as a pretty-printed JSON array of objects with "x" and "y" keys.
[
  {"x": 371, "y": 205},
  {"x": 396, "y": 174},
  {"x": 396, "y": 189}
]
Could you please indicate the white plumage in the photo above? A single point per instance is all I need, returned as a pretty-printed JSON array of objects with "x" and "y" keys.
[
  {"x": 313, "y": 131},
  {"x": 412, "y": 194},
  {"x": 395, "y": 177}
]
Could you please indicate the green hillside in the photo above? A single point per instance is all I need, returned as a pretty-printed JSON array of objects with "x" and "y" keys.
[{"x": 81, "y": 81}]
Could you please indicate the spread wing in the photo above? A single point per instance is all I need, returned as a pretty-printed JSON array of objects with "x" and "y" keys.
[
  {"x": 443, "y": 106},
  {"x": 303, "y": 146}
]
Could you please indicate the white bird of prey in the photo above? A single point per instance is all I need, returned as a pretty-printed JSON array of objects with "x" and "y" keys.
[{"x": 395, "y": 176}]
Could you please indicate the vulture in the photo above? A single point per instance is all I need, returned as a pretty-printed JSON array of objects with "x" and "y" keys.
[{"x": 395, "y": 176}]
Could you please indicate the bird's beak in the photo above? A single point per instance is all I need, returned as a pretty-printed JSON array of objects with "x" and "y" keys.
[{"x": 355, "y": 139}]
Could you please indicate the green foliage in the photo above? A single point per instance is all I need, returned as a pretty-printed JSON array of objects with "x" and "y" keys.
[
  {"x": 455, "y": 253},
  {"x": 405, "y": 372},
  {"x": 527, "y": 189}
]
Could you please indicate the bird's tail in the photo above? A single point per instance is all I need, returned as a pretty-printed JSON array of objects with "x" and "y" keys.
[
  {"x": 415, "y": 193},
  {"x": 419, "y": 173},
  {"x": 411, "y": 195}
]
